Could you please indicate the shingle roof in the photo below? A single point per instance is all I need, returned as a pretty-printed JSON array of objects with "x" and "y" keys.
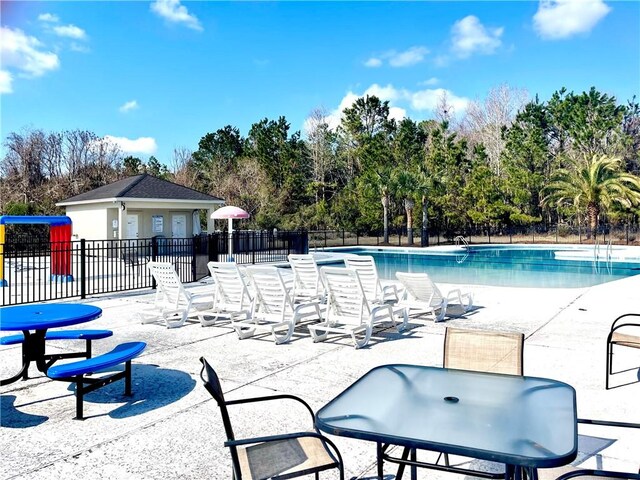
[{"x": 142, "y": 186}]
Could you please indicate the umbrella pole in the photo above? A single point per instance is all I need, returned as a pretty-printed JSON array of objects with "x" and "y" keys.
[{"x": 230, "y": 239}]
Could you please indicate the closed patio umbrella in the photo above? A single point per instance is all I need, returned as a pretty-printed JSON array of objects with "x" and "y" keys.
[{"x": 230, "y": 212}]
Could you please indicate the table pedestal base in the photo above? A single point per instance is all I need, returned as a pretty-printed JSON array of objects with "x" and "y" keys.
[{"x": 33, "y": 350}]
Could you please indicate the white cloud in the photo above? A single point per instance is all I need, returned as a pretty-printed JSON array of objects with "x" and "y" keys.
[
  {"x": 409, "y": 57},
  {"x": 557, "y": 19},
  {"x": 5, "y": 82},
  {"x": 429, "y": 99},
  {"x": 24, "y": 53},
  {"x": 399, "y": 98},
  {"x": 430, "y": 82},
  {"x": 48, "y": 17},
  {"x": 469, "y": 36},
  {"x": 70, "y": 31},
  {"x": 388, "y": 92},
  {"x": 128, "y": 106},
  {"x": 172, "y": 11},
  {"x": 139, "y": 145},
  {"x": 397, "y": 113},
  {"x": 373, "y": 62},
  {"x": 76, "y": 47}
]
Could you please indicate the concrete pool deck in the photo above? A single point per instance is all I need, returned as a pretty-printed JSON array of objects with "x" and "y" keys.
[{"x": 171, "y": 428}]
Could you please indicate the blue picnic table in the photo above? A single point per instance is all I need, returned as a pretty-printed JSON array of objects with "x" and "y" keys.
[{"x": 34, "y": 320}]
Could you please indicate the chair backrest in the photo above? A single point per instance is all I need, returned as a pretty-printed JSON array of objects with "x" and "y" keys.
[
  {"x": 420, "y": 287},
  {"x": 272, "y": 299},
  {"x": 484, "y": 351},
  {"x": 306, "y": 276},
  {"x": 212, "y": 384},
  {"x": 168, "y": 282},
  {"x": 346, "y": 299},
  {"x": 230, "y": 289},
  {"x": 365, "y": 265}
]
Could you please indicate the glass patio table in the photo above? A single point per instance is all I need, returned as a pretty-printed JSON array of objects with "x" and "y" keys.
[
  {"x": 525, "y": 423},
  {"x": 34, "y": 320}
]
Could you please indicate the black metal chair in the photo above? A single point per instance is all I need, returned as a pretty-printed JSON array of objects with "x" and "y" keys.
[
  {"x": 275, "y": 456},
  {"x": 622, "y": 338},
  {"x": 585, "y": 473},
  {"x": 478, "y": 351}
]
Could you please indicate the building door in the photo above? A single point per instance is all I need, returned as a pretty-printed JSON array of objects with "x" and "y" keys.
[
  {"x": 179, "y": 226},
  {"x": 132, "y": 226}
]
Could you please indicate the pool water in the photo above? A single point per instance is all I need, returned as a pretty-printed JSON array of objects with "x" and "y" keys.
[{"x": 557, "y": 266}]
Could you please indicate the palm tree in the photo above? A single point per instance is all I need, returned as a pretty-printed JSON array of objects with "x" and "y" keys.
[
  {"x": 595, "y": 185},
  {"x": 405, "y": 186}
]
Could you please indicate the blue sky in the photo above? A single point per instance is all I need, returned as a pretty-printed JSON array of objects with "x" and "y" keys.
[{"x": 159, "y": 75}]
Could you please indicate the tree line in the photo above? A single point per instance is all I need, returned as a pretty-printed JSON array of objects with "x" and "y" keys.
[{"x": 507, "y": 162}]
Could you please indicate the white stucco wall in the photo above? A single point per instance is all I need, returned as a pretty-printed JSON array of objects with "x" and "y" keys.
[{"x": 89, "y": 221}]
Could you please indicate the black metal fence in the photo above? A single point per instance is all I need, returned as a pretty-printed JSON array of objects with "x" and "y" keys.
[
  {"x": 538, "y": 234},
  {"x": 107, "y": 266}
]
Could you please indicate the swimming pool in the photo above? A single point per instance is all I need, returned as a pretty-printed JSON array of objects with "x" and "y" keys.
[{"x": 557, "y": 266}]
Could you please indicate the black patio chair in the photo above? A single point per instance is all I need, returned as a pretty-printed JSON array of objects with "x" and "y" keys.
[
  {"x": 478, "y": 351},
  {"x": 620, "y": 336},
  {"x": 568, "y": 472},
  {"x": 275, "y": 456}
]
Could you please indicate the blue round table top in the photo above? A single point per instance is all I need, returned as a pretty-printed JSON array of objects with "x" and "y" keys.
[{"x": 44, "y": 316}]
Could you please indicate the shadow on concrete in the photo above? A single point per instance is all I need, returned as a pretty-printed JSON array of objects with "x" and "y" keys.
[
  {"x": 152, "y": 387},
  {"x": 11, "y": 417}
]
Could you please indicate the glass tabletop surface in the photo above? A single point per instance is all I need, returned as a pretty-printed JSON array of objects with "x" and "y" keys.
[
  {"x": 524, "y": 421},
  {"x": 49, "y": 315}
]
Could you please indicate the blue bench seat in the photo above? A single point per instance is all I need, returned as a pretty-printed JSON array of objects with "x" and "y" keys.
[
  {"x": 87, "y": 335},
  {"x": 60, "y": 335},
  {"x": 75, "y": 371}
]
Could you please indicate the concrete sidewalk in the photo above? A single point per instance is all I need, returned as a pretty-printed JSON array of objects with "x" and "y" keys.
[{"x": 171, "y": 428}]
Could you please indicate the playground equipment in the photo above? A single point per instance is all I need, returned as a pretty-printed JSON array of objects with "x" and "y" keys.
[{"x": 59, "y": 238}]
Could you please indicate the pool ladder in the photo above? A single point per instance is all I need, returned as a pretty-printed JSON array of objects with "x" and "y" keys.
[
  {"x": 458, "y": 240},
  {"x": 607, "y": 256}
]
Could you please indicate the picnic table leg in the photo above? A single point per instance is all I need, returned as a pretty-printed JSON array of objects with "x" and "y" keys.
[
  {"x": 405, "y": 455},
  {"x": 32, "y": 350},
  {"x": 79, "y": 398},
  {"x": 379, "y": 454},
  {"x": 127, "y": 378},
  {"x": 414, "y": 469}
]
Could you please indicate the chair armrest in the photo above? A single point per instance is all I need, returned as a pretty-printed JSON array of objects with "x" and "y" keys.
[
  {"x": 598, "y": 473},
  {"x": 273, "y": 397},
  {"x": 391, "y": 290},
  {"x": 608, "y": 423}
]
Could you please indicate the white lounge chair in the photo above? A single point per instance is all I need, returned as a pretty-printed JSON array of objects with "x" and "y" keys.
[
  {"x": 348, "y": 311},
  {"x": 173, "y": 303},
  {"x": 421, "y": 294},
  {"x": 273, "y": 308},
  {"x": 365, "y": 265},
  {"x": 231, "y": 297},
  {"x": 307, "y": 284}
]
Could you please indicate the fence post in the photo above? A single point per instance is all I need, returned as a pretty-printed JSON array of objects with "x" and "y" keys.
[
  {"x": 83, "y": 268},
  {"x": 154, "y": 256},
  {"x": 343, "y": 237},
  {"x": 358, "y": 238}
]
